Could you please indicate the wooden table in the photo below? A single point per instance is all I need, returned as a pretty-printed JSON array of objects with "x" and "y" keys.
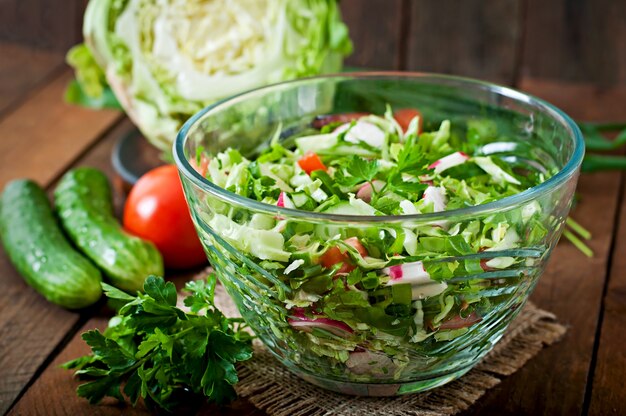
[{"x": 41, "y": 137}]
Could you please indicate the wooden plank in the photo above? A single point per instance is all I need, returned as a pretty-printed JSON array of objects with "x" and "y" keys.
[
  {"x": 22, "y": 69},
  {"x": 38, "y": 141},
  {"x": 44, "y": 135},
  {"x": 44, "y": 24},
  {"x": 576, "y": 41},
  {"x": 585, "y": 102},
  {"x": 554, "y": 382},
  {"x": 375, "y": 30},
  {"x": 608, "y": 390},
  {"x": 30, "y": 328},
  {"x": 55, "y": 391},
  {"x": 473, "y": 38}
]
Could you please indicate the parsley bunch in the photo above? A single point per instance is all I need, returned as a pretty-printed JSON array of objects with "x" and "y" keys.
[{"x": 154, "y": 350}]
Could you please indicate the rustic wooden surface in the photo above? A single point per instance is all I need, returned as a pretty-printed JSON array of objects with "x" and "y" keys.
[
  {"x": 444, "y": 38},
  {"x": 41, "y": 137},
  {"x": 609, "y": 389},
  {"x": 26, "y": 68},
  {"x": 44, "y": 24},
  {"x": 499, "y": 40}
]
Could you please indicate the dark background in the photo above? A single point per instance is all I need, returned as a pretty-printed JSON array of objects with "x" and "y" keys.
[{"x": 498, "y": 40}]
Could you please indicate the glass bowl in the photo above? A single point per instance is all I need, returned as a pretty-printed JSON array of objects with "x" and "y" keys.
[{"x": 374, "y": 339}]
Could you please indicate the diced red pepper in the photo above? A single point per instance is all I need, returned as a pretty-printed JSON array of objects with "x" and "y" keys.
[
  {"x": 311, "y": 162},
  {"x": 404, "y": 117}
]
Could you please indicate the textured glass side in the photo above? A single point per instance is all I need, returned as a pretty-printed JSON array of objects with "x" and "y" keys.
[{"x": 528, "y": 139}]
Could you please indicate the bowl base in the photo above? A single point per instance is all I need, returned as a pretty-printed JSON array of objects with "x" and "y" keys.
[{"x": 381, "y": 390}]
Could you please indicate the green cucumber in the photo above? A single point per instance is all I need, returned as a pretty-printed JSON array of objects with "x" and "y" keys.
[
  {"x": 40, "y": 252},
  {"x": 84, "y": 206}
]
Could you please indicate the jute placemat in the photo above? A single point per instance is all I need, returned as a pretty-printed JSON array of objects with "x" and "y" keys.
[{"x": 269, "y": 386}]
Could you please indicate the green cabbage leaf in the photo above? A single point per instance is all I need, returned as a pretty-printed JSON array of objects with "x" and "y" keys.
[{"x": 164, "y": 60}]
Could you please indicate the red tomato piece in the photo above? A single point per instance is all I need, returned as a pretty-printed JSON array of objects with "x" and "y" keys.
[
  {"x": 311, "y": 162},
  {"x": 156, "y": 210},
  {"x": 203, "y": 167},
  {"x": 354, "y": 242},
  {"x": 404, "y": 117},
  {"x": 334, "y": 256}
]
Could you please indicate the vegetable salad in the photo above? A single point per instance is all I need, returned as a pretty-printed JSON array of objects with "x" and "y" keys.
[{"x": 363, "y": 300}]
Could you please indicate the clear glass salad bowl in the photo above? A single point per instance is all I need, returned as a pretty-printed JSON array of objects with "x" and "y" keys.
[{"x": 370, "y": 338}]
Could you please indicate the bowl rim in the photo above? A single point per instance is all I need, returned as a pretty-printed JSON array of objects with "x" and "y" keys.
[{"x": 505, "y": 203}]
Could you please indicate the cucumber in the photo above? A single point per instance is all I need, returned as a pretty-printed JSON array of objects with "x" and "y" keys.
[
  {"x": 40, "y": 252},
  {"x": 85, "y": 209}
]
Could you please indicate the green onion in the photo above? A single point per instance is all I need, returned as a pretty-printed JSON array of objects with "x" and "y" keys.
[{"x": 578, "y": 243}]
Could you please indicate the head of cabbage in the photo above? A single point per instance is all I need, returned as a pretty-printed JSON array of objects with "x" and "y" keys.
[{"x": 166, "y": 59}]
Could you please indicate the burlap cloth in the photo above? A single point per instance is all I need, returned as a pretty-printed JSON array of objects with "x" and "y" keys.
[{"x": 269, "y": 386}]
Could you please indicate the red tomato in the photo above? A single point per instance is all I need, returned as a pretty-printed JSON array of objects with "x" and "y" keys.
[
  {"x": 354, "y": 242},
  {"x": 311, "y": 162},
  {"x": 334, "y": 256},
  {"x": 203, "y": 167},
  {"x": 156, "y": 210},
  {"x": 404, "y": 117}
]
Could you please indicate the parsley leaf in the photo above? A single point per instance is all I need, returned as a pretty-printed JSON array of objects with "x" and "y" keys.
[
  {"x": 386, "y": 205},
  {"x": 201, "y": 293},
  {"x": 158, "y": 352},
  {"x": 358, "y": 171},
  {"x": 160, "y": 291}
]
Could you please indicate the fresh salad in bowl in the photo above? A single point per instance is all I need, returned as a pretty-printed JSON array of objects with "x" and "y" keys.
[{"x": 379, "y": 302}]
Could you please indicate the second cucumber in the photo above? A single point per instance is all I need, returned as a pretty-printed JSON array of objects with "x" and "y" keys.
[{"x": 84, "y": 205}]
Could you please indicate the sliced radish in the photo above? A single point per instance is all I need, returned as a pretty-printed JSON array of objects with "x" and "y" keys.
[
  {"x": 407, "y": 273},
  {"x": 510, "y": 240},
  {"x": 284, "y": 201},
  {"x": 483, "y": 265},
  {"x": 407, "y": 207},
  {"x": 500, "y": 262},
  {"x": 495, "y": 171},
  {"x": 410, "y": 242},
  {"x": 365, "y": 191},
  {"x": 306, "y": 324},
  {"x": 437, "y": 196},
  {"x": 457, "y": 322},
  {"x": 363, "y": 131},
  {"x": 416, "y": 275},
  {"x": 447, "y": 162},
  {"x": 427, "y": 290}
]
